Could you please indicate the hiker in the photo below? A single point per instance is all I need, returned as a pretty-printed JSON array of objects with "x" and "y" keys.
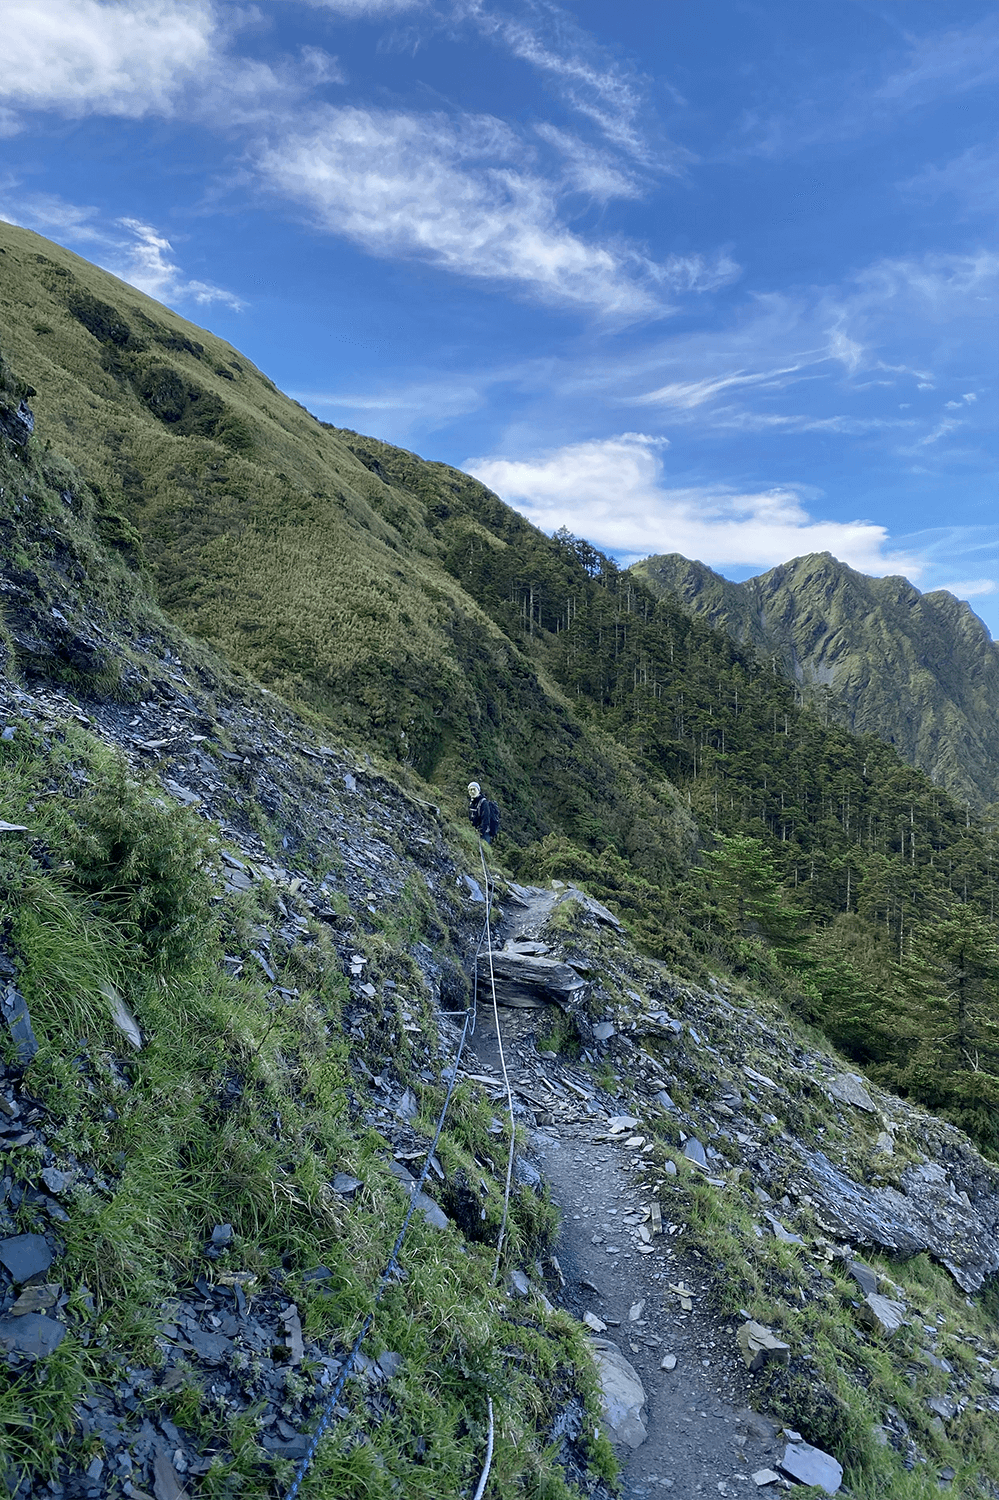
[{"x": 482, "y": 814}]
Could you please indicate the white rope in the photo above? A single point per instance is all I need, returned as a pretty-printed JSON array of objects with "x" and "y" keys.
[
  {"x": 481, "y": 1487},
  {"x": 506, "y": 1077}
]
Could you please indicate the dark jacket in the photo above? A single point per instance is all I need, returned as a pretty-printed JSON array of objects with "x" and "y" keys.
[{"x": 484, "y": 817}]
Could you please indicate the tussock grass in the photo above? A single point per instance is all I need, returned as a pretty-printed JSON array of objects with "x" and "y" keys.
[{"x": 236, "y": 1110}]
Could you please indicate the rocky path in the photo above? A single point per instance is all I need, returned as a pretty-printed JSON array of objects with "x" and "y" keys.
[{"x": 637, "y": 1291}]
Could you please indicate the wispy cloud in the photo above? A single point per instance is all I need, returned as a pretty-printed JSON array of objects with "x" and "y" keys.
[
  {"x": 148, "y": 264},
  {"x": 936, "y": 65},
  {"x": 971, "y": 588},
  {"x": 614, "y": 492},
  {"x": 611, "y": 96},
  {"x": 130, "y": 248},
  {"x": 588, "y": 169},
  {"x": 458, "y": 194},
  {"x": 969, "y": 179}
]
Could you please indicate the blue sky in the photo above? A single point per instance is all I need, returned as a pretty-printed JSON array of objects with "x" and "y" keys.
[{"x": 707, "y": 276}]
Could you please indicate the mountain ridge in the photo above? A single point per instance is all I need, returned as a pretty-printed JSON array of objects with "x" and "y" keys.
[{"x": 919, "y": 670}]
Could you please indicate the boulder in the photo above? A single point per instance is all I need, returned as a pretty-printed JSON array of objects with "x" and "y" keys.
[
  {"x": 526, "y": 980},
  {"x": 848, "y": 1089},
  {"x": 622, "y": 1395}
]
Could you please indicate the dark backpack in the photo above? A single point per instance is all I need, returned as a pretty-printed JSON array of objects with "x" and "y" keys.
[{"x": 490, "y": 820}]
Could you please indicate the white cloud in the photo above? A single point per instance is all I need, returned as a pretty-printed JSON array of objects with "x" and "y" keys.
[
  {"x": 687, "y": 394},
  {"x": 601, "y": 90},
  {"x": 141, "y": 256},
  {"x": 82, "y": 55},
  {"x": 588, "y": 169},
  {"x": 613, "y": 492},
  {"x": 970, "y": 179},
  {"x": 456, "y": 194},
  {"x": 146, "y": 263},
  {"x": 144, "y": 58},
  {"x": 971, "y": 588},
  {"x": 362, "y": 10}
]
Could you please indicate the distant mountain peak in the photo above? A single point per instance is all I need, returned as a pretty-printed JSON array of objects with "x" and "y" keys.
[{"x": 918, "y": 670}]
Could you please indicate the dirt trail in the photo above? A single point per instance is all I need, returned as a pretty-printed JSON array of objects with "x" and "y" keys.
[{"x": 702, "y": 1438}]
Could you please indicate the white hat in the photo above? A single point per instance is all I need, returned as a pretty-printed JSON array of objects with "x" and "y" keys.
[{"x": 474, "y": 790}]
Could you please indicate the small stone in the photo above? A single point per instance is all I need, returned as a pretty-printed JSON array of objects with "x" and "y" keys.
[
  {"x": 592, "y": 1321},
  {"x": 695, "y": 1152},
  {"x": 664, "y": 1101},
  {"x": 346, "y": 1185},
  {"x": 603, "y": 1031},
  {"x": 669, "y": 1168},
  {"x": 35, "y": 1299},
  {"x": 222, "y": 1236},
  {"x": 636, "y": 1310},
  {"x": 765, "y": 1476},
  {"x": 293, "y": 1327},
  {"x": 865, "y": 1278},
  {"x": 389, "y": 1364},
  {"x": 519, "y": 1284},
  {"x": 57, "y": 1182},
  {"x": 622, "y": 1122},
  {"x": 760, "y": 1346},
  {"x": 810, "y": 1465},
  {"x": 668, "y": 1362},
  {"x": 941, "y": 1407},
  {"x": 26, "y": 1256},
  {"x": 881, "y": 1314},
  {"x": 33, "y": 1334}
]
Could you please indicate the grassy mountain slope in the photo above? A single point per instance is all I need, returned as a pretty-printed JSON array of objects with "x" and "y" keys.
[
  {"x": 409, "y": 609},
  {"x": 918, "y": 670},
  {"x": 267, "y": 536}
]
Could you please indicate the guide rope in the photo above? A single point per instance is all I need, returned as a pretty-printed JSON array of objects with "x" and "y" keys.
[{"x": 468, "y": 1029}]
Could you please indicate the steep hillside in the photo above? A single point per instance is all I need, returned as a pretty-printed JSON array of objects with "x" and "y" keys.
[
  {"x": 918, "y": 670},
  {"x": 234, "y": 966},
  {"x": 267, "y": 536}
]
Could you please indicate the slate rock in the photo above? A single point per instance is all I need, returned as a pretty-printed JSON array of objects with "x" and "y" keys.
[
  {"x": 167, "y": 1483},
  {"x": 32, "y": 1334},
  {"x": 761, "y": 1346},
  {"x": 425, "y": 1204},
  {"x": 622, "y": 1395},
  {"x": 848, "y": 1089},
  {"x": 407, "y": 1108},
  {"x": 222, "y": 1236},
  {"x": 865, "y": 1278},
  {"x": 17, "y": 422},
  {"x": 810, "y": 1465},
  {"x": 346, "y": 1185},
  {"x": 603, "y": 1031},
  {"x": 881, "y": 1314},
  {"x": 695, "y": 1152},
  {"x": 526, "y": 1175},
  {"x": 664, "y": 1101},
  {"x": 26, "y": 1256},
  {"x": 14, "y": 1010},
  {"x": 57, "y": 1182}
]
